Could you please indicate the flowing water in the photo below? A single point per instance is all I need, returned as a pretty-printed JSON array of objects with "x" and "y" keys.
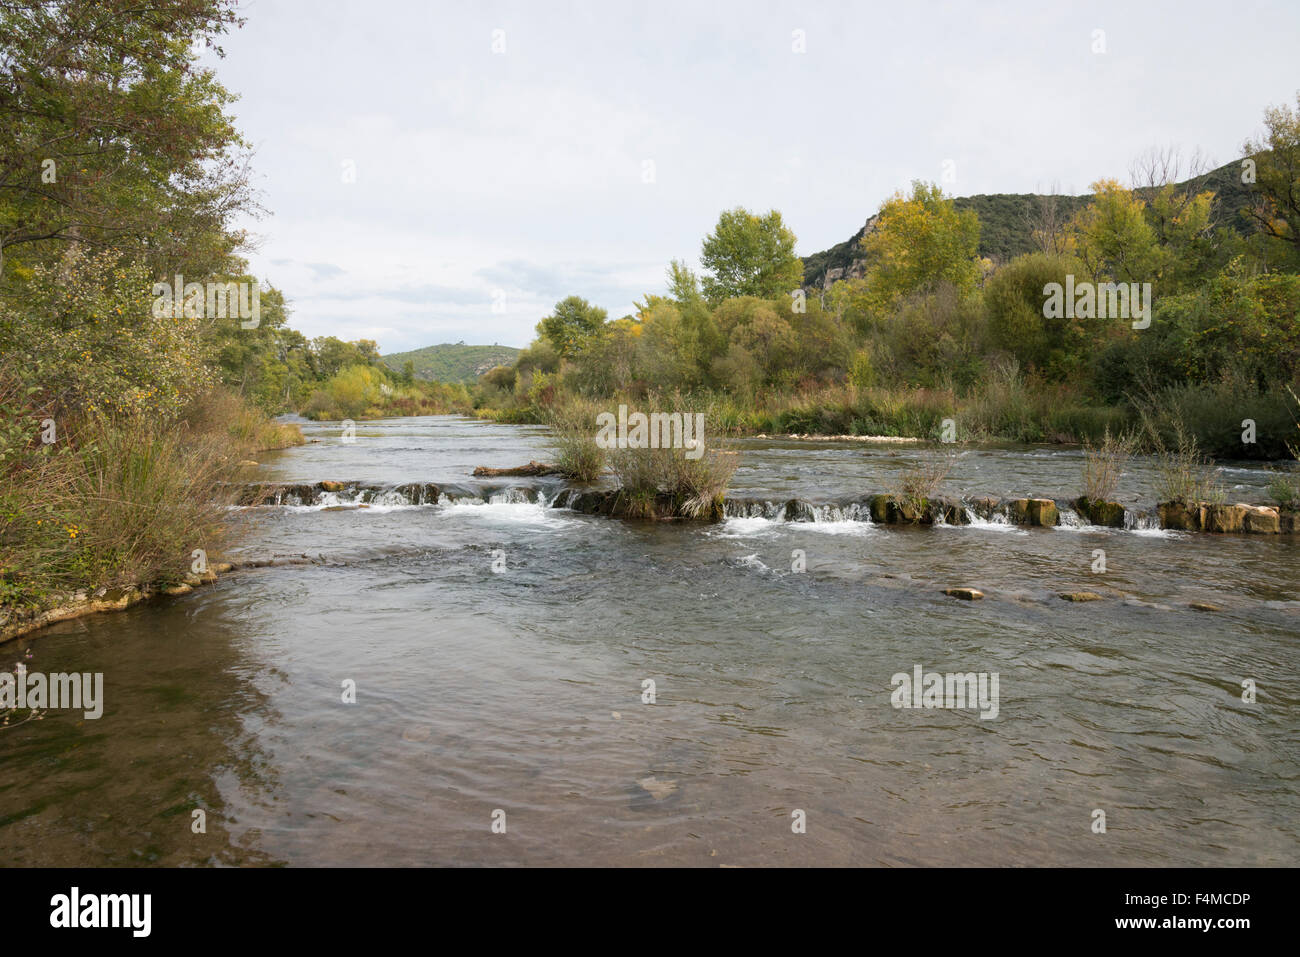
[{"x": 521, "y": 689}]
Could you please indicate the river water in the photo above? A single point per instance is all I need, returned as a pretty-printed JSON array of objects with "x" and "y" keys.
[{"x": 771, "y": 646}]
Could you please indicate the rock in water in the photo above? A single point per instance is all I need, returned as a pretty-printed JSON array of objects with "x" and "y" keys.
[{"x": 658, "y": 789}]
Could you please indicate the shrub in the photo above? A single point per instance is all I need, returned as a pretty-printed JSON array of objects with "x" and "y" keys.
[
  {"x": 121, "y": 501},
  {"x": 913, "y": 488},
  {"x": 573, "y": 440},
  {"x": 1103, "y": 463}
]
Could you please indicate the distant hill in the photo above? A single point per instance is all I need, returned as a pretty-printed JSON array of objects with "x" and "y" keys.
[
  {"x": 1006, "y": 224},
  {"x": 452, "y": 362}
]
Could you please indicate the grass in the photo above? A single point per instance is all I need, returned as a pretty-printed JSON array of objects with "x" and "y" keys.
[
  {"x": 250, "y": 429},
  {"x": 913, "y": 488},
  {"x": 1184, "y": 473},
  {"x": 1103, "y": 463},
  {"x": 664, "y": 483},
  {"x": 573, "y": 440},
  {"x": 125, "y": 501},
  {"x": 122, "y": 502},
  {"x": 1285, "y": 489}
]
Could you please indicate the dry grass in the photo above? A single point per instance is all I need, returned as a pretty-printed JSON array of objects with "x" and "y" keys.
[
  {"x": 573, "y": 440},
  {"x": 914, "y": 487},
  {"x": 1184, "y": 473},
  {"x": 1104, "y": 463},
  {"x": 122, "y": 502},
  {"x": 250, "y": 429},
  {"x": 696, "y": 486}
]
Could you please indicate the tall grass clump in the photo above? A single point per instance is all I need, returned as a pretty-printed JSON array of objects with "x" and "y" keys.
[
  {"x": 1285, "y": 489},
  {"x": 1103, "y": 463},
  {"x": 912, "y": 489},
  {"x": 572, "y": 439},
  {"x": 1184, "y": 473},
  {"x": 249, "y": 428},
  {"x": 665, "y": 482},
  {"x": 120, "y": 501}
]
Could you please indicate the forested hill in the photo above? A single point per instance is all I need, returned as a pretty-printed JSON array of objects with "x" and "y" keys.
[
  {"x": 452, "y": 362},
  {"x": 1007, "y": 221}
]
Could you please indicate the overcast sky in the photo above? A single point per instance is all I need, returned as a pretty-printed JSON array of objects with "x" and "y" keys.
[{"x": 488, "y": 185}]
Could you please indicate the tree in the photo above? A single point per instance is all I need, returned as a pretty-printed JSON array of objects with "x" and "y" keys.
[
  {"x": 747, "y": 255},
  {"x": 573, "y": 322},
  {"x": 683, "y": 284},
  {"x": 1277, "y": 176},
  {"x": 919, "y": 241},
  {"x": 1013, "y": 299},
  {"x": 112, "y": 137},
  {"x": 1113, "y": 237}
]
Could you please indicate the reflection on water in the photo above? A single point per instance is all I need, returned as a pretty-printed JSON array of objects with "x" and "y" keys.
[{"x": 521, "y": 690}]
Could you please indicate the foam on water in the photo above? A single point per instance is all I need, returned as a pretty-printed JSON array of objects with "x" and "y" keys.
[
  {"x": 998, "y": 523},
  {"x": 508, "y": 508}
]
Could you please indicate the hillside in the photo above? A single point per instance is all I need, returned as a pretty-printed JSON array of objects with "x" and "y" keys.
[
  {"x": 452, "y": 362},
  {"x": 1007, "y": 222}
]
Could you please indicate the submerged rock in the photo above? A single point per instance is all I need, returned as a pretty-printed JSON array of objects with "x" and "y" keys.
[
  {"x": 1081, "y": 596},
  {"x": 797, "y": 510},
  {"x": 966, "y": 594},
  {"x": 656, "y": 788}
]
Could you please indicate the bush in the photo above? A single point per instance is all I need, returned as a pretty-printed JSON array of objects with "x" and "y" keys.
[
  {"x": 122, "y": 501},
  {"x": 913, "y": 488},
  {"x": 573, "y": 440},
  {"x": 1103, "y": 463}
]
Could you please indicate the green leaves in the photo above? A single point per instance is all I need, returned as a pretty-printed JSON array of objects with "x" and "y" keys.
[
  {"x": 920, "y": 241},
  {"x": 748, "y": 255},
  {"x": 573, "y": 322}
]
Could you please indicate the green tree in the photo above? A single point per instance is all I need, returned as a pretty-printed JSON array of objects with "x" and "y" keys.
[
  {"x": 1014, "y": 297},
  {"x": 573, "y": 322},
  {"x": 748, "y": 255},
  {"x": 110, "y": 135},
  {"x": 1277, "y": 177},
  {"x": 1113, "y": 236},
  {"x": 919, "y": 241}
]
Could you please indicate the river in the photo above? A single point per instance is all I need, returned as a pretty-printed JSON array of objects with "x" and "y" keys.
[{"x": 771, "y": 646}]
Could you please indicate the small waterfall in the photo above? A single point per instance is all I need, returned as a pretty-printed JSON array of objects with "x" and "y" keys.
[
  {"x": 1069, "y": 518},
  {"x": 513, "y": 496},
  {"x": 998, "y": 519},
  {"x": 853, "y": 512},
  {"x": 448, "y": 499},
  {"x": 752, "y": 508},
  {"x": 1141, "y": 521}
]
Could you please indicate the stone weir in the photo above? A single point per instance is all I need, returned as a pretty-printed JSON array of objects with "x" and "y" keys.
[{"x": 880, "y": 509}]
